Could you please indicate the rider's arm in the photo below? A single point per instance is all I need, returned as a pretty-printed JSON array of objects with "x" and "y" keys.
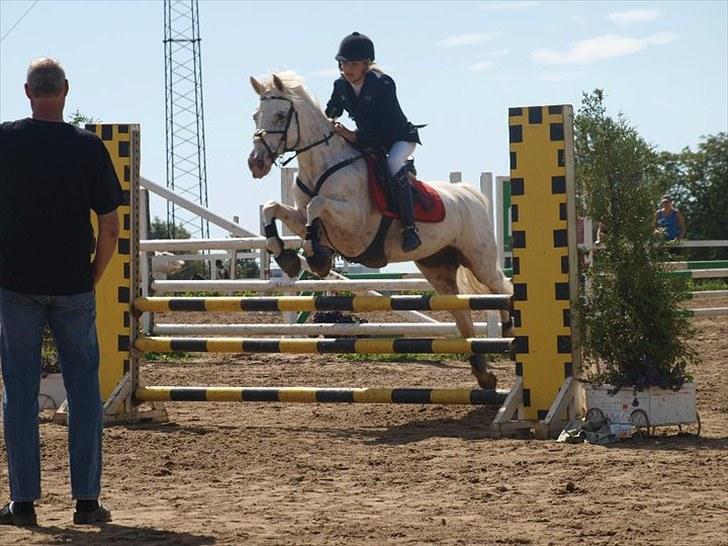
[{"x": 334, "y": 108}]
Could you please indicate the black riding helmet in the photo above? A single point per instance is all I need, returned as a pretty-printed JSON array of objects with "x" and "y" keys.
[{"x": 355, "y": 47}]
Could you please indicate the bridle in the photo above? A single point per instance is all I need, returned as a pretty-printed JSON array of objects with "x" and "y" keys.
[{"x": 283, "y": 146}]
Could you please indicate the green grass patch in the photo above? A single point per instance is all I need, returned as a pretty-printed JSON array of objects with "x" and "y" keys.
[
  {"x": 167, "y": 357},
  {"x": 699, "y": 285}
]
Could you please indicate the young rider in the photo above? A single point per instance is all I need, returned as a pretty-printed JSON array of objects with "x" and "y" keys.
[{"x": 369, "y": 97}]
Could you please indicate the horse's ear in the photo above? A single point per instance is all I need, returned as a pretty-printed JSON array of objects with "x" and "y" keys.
[
  {"x": 257, "y": 86},
  {"x": 279, "y": 84}
]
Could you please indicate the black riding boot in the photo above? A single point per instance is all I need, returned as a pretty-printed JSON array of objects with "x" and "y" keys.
[{"x": 410, "y": 239}]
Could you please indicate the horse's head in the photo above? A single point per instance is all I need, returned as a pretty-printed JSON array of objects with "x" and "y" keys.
[{"x": 277, "y": 127}]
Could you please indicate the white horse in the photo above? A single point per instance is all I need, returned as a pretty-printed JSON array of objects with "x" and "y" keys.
[{"x": 334, "y": 213}]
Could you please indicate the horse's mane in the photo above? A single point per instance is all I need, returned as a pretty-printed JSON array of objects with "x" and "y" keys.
[{"x": 294, "y": 83}]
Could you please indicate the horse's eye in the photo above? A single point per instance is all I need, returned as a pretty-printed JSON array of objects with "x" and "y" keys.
[{"x": 279, "y": 117}]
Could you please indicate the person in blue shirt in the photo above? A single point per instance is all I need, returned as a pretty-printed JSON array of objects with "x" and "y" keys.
[
  {"x": 369, "y": 96},
  {"x": 669, "y": 221}
]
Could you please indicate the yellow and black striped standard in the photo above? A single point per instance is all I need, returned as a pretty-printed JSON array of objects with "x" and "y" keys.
[
  {"x": 543, "y": 220},
  {"x": 311, "y": 395},
  {"x": 113, "y": 292},
  {"x": 324, "y": 346},
  {"x": 326, "y": 303}
]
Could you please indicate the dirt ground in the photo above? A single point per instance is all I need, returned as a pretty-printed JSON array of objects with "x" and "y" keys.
[{"x": 226, "y": 473}]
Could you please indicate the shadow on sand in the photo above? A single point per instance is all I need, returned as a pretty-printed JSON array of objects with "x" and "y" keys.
[{"x": 111, "y": 533}]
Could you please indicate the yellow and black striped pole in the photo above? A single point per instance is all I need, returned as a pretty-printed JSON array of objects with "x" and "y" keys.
[
  {"x": 322, "y": 395},
  {"x": 347, "y": 345},
  {"x": 114, "y": 322},
  {"x": 543, "y": 216},
  {"x": 326, "y": 303}
]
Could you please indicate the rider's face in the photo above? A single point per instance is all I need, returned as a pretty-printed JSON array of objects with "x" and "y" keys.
[{"x": 353, "y": 71}]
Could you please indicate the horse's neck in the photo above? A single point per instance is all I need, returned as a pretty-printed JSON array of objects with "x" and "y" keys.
[{"x": 314, "y": 162}]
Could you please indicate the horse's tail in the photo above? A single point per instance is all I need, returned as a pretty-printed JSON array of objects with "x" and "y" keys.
[{"x": 468, "y": 283}]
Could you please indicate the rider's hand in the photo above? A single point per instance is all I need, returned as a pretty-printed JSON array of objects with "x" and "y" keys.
[{"x": 343, "y": 132}]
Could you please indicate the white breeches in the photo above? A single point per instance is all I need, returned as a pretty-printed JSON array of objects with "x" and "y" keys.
[{"x": 398, "y": 154}]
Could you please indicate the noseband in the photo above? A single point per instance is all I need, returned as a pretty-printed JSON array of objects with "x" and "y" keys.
[{"x": 283, "y": 146}]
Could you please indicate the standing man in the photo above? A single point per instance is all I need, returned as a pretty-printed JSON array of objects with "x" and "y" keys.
[
  {"x": 52, "y": 175},
  {"x": 669, "y": 221}
]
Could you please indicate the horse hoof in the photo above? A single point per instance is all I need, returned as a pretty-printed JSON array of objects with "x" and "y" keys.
[
  {"x": 320, "y": 263},
  {"x": 507, "y": 329},
  {"x": 289, "y": 262},
  {"x": 479, "y": 367},
  {"x": 487, "y": 381}
]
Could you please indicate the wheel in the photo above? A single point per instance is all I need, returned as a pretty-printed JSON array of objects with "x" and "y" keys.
[
  {"x": 47, "y": 407},
  {"x": 639, "y": 420},
  {"x": 693, "y": 428},
  {"x": 595, "y": 416}
]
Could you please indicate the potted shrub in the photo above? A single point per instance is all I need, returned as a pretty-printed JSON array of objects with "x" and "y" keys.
[{"x": 632, "y": 327}]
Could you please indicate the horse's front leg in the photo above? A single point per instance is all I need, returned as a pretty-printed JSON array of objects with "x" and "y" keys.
[
  {"x": 339, "y": 216},
  {"x": 286, "y": 258}
]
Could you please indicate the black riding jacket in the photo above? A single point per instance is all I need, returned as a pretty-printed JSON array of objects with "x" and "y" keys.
[{"x": 379, "y": 119}]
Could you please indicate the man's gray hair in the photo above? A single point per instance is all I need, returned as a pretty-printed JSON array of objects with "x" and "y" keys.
[{"x": 46, "y": 77}]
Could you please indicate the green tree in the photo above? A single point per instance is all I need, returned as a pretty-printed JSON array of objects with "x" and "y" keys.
[
  {"x": 79, "y": 119},
  {"x": 698, "y": 182},
  {"x": 632, "y": 324},
  {"x": 159, "y": 229},
  {"x": 247, "y": 269}
]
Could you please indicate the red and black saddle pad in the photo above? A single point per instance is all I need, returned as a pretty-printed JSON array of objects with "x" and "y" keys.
[{"x": 428, "y": 203}]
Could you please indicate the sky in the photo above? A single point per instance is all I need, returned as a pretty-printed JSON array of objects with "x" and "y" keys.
[{"x": 458, "y": 66}]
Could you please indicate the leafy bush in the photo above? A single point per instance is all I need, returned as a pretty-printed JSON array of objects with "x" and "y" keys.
[{"x": 631, "y": 322}]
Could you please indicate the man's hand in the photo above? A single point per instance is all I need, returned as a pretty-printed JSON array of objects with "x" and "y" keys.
[
  {"x": 105, "y": 243},
  {"x": 343, "y": 132}
]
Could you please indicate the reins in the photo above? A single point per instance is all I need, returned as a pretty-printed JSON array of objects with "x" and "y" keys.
[{"x": 261, "y": 133}]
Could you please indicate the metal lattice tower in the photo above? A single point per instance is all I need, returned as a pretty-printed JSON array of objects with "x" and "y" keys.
[{"x": 186, "y": 162}]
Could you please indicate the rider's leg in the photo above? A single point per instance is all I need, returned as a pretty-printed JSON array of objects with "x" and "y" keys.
[{"x": 397, "y": 163}]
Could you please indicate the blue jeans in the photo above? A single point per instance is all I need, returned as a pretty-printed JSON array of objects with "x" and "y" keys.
[{"x": 72, "y": 320}]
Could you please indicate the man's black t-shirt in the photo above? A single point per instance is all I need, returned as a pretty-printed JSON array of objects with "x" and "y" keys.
[{"x": 52, "y": 175}]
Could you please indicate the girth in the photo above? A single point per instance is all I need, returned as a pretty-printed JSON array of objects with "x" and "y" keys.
[
  {"x": 373, "y": 256},
  {"x": 324, "y": 176}
]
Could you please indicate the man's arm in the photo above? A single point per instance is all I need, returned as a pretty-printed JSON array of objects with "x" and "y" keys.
[
  {"x": 105, "y": 243},
  {"x": 681, "y": 225}
]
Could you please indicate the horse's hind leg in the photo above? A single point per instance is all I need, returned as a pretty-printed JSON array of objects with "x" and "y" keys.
[
  {"x": 493, "y": 278},
  {"x": 441, "y": 270}
]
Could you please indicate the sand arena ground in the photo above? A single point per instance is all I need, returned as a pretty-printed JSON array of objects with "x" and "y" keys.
[{"x": 382, "y": 474}]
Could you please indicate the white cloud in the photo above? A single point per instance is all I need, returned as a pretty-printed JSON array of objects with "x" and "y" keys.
[
  {"x": 468, "y": 39},
  {"x": 480, "y": 66},
  {"x": 561, "y": 76},
  {"x": 601, "y": 47},
  {"x": 626, "y": 18},
  {"x": 660, "y": 38},
  {"x": 498, "y": 53},
  {"x": 509, "y": 6}
]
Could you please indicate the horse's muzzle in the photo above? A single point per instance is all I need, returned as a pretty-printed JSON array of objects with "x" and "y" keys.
[{"x": 259, "y": 164}]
